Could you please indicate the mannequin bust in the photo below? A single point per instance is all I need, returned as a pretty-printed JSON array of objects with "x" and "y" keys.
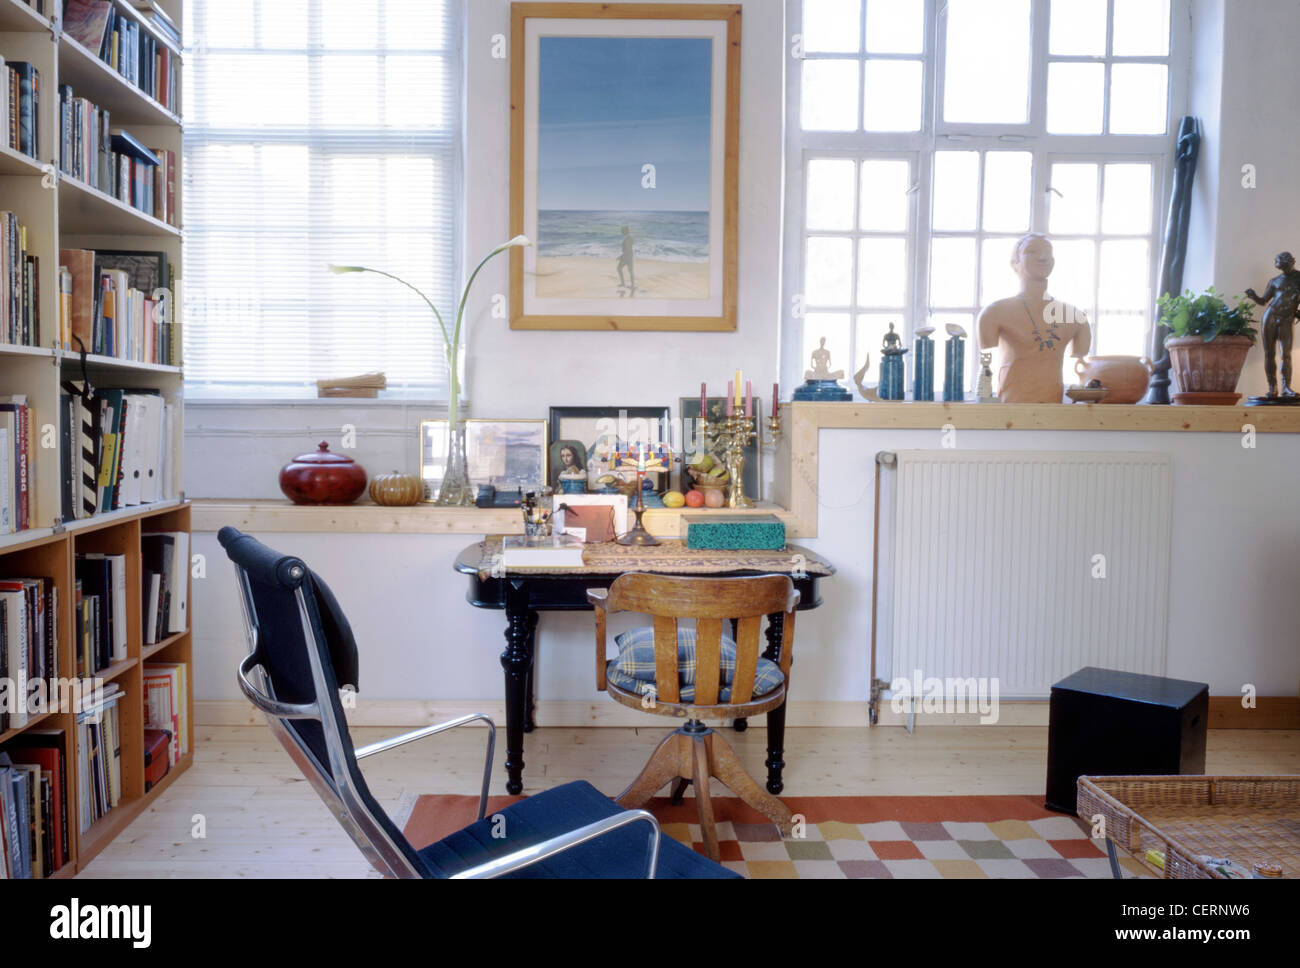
[{"x": 1032, "y": 330}]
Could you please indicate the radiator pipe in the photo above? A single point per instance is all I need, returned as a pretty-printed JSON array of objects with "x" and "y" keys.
[{"x": 883, "y": 459}]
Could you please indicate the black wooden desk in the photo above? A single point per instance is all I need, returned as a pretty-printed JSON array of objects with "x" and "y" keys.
[{"x": 523, "y": 593}]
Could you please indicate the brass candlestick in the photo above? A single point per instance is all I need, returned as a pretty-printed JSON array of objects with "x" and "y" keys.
[{"x": 730, "y": 439}]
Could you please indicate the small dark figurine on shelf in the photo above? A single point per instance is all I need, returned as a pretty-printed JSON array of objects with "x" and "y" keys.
[
  {"x": 892, "y": 369},
  {"x": 1283, "y": 300}
]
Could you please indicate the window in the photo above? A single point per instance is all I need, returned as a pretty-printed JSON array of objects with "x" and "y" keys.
[
  {"x": 925, "y": 137},
  {"x": 317, "y": 132}
]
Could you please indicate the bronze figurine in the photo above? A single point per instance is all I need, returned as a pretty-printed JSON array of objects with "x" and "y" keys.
[{"x": 1283, "y": 300}]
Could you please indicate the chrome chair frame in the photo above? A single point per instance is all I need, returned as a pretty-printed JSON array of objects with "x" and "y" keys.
[{"x": 333, "y": 781}]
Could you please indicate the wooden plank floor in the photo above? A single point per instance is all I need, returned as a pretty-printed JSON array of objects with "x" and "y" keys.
[{"x": 262, "y": 819}]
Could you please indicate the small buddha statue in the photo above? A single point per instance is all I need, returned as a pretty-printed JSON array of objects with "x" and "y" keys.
[{"x": 821, "y": 361}]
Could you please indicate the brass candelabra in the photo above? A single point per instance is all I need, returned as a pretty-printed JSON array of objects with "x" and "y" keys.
[{"x": 730, "y": 437}]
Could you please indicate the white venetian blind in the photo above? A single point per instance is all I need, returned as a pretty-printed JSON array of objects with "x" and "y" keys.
[{"x": 318, "y": 132}]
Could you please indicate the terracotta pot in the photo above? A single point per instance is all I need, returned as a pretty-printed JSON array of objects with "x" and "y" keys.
[
  {"x": 1214, "y": 367},
  {"x": 322, "y": 478},
  {"x": 1126, "y": 377}
]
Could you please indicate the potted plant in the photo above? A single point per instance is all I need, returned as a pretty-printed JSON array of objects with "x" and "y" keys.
[
  {"x": 455, "y": 490},
  {"x": 1207, "y": 343}
]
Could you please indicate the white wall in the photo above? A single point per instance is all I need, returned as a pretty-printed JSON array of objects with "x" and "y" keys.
[
  {"x": 1244, "y": 85},
  {"x": 1235, "y": 611}
]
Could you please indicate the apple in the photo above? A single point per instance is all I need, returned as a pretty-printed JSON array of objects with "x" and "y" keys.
[
  {"x": 714, "y": 498},
  {"x": 694, "y": 499}
]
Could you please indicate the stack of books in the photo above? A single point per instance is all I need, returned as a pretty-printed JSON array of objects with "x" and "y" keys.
[
  {"x": 99, "y": 748},
  {"x": 18, "y": 435},
  {"x": 34, "y": 828},
  {"x": 99, "y": 613},
  {"x": 29, "y": 658},
  {"x": 20, "y": 289},
  {"x": 165, "y": 584},
  {"x": 165, "y": 706},
  {"x": 120, "y": 41},
  {"x": 115, "y": 302},
  {"x": 20, "y": 106}
]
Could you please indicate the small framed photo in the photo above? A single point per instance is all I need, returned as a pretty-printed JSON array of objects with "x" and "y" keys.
[
  {"x": 507, "y": 454},
  {"x": 600, "y": 430}
]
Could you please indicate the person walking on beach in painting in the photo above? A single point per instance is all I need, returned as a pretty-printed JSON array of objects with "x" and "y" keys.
[{"x": 628, "y": 259}]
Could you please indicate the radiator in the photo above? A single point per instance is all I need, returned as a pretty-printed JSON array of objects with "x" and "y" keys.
[{"x": 1027, "y": 566}]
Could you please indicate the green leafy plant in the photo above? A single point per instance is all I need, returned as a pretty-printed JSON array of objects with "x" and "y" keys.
[{"x": 1206, "y": 316}]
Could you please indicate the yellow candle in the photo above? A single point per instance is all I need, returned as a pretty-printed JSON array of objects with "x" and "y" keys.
[{"x": 738, "y": 385}]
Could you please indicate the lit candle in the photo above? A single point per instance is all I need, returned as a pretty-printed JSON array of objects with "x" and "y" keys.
[
  {"x": 776, "y": 395},
  {"x": 640, "y": 464},
  {"x": 737, "y": 384},
  {"x": 730, "y": 399},
  {"x": 749, "y": 399}
]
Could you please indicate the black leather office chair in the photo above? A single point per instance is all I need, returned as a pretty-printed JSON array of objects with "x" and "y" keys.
[{"x": 302, "y": 650}]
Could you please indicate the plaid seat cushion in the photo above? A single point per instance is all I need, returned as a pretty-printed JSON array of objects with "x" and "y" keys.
[{"x": 634, "y": 669}]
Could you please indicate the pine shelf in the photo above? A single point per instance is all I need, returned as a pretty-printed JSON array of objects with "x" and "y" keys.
[
  {"x": 18, "y": 17},
  {"x": 88, "y": 211}
]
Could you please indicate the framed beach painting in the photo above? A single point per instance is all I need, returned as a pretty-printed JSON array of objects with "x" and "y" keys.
[{"x": 623, "y": 158}]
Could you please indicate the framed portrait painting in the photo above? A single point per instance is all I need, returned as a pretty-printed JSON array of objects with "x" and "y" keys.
[{"x": 624, "y": 153}]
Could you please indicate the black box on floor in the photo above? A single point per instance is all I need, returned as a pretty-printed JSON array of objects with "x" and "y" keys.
[{"x": 1108, "y": 723}]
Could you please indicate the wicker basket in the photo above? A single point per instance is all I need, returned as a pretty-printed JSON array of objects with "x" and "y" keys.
[{"x": 1247, "y": 819}]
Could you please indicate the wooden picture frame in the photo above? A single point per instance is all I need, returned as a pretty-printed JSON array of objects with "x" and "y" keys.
[{"x": 568, "y": 280}]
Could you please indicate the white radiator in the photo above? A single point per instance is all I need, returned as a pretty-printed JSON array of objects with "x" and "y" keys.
[{"x": 1027, "y": 566}]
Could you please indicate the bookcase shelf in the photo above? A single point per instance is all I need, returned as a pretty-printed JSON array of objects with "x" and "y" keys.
[
  {"x": 124, "y": 101},
  {"x": 16, "y": 163},
  {"x": 60, "y": 212},
  {"x": 19, "y": 17},
  {"x": 88, "y": 211}
]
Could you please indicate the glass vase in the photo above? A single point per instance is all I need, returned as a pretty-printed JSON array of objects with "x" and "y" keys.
[{"x": 456, "y": 490}]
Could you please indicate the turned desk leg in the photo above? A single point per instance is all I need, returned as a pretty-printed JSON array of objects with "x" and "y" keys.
[
  {"x": 775, "y": 717},
  {"x": 516, "y": 661},
  {"x": 530, "y": 693}
]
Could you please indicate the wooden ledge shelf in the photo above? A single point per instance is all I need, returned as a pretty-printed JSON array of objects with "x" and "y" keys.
[
  {"x": 281, "y": 517},
  {"x": 1009, "y": 416}
]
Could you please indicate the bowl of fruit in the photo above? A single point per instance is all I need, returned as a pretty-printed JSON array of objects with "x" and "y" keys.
[{"x": 710, "y": 478}]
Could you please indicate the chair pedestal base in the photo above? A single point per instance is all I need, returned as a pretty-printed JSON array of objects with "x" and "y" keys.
[{"x": 695, "y": 754}]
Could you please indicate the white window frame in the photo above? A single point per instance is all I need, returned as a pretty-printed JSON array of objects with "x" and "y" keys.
[
  {"x": 433, "y": 398},
  {"x": 936, "y": 135}
]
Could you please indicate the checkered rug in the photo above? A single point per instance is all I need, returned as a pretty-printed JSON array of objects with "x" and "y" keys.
[{"x": 860, "y": 837}]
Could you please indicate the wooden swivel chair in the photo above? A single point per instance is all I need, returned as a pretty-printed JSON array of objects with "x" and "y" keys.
[{"x": 693, "y": 752}]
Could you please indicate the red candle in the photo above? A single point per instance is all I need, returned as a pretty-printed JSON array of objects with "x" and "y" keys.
[
  {"x": 704, "y": 413},
  {"x": 730, "y": 401},
  {"x": 749, "y": 399},
  {"x": 776, "y": 392}
]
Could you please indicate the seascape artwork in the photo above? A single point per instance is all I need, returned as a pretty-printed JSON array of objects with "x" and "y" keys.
[{"x": 624, "y": 168}]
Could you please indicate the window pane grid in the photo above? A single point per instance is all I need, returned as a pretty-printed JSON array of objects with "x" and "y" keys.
[{"x": 1127, "y": 126}]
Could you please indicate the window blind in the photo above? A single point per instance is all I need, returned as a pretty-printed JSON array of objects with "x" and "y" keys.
[{"x": 318, "y": 132}]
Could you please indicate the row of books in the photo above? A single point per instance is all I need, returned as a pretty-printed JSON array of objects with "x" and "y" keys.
[
  {"x": 29, "y": 635},
  {"x": 112, "y": 160},
  {"x": 117, "y": 303},
  {"x": 18, "y": 437},
  {"x": 99, "y": 613},
  {"x": 118, "y": 40},
  {"x": 116, "y": 451},
  {"x": 20, "y": 285},
  {"x": 20, "y": 107},
  {"x": 165, "y": 584},
  {"x": 99, "y": 755},
  {"x": 166, "y": 706},
  {"x": 34, "y": 827}
]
